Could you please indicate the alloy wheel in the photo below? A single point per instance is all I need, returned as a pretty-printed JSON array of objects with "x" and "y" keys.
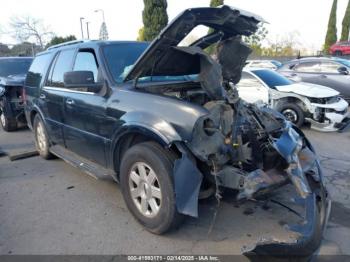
[
  {"x": 40, "y": 136},
  {"x": 291, "y": 115},
  {"x": 145, "y": 189}
]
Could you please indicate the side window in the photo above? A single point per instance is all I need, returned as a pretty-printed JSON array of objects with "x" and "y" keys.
[
  {"x": 329, "y": 67},
  {"x": 62, "y": 64},
  {"x": 37, "y": 70},
  {"x": 308, "y": 67},
  {"x": 249, "y": 81},
  {"x": 86, "y": 61}
]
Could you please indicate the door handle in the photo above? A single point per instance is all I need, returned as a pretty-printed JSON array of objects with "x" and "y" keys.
[
  {"x": 70, "y": 101},
  {"x": 42, "y": 96},
  {"x": 323, "y": 76},
  {"x": 293, "y": 74}
]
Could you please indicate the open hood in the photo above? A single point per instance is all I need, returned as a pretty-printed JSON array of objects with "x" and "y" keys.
[
  {"x": 309, "y": 90},
  {"x": 162, "y": 57}
]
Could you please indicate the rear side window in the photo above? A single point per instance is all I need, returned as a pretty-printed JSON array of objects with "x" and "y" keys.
[
  {"x": 37, "y": 70},
  {"x": 63, "y": 64},
  {"x": 249, "y": 81},
  {"x": 308, "y": 67}
]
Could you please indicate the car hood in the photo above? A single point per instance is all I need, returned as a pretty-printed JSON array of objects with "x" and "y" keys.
[
  {"x": 160, "y": 59},
  {"x": 309, "y": 90},
  {"x": 12, "y": 80}
]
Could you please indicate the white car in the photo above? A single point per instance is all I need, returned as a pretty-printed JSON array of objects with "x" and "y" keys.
[
  {"x": 267, "y": 64},
  {"x": 298, "y": 102}
]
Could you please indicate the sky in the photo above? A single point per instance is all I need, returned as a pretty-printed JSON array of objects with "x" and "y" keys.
[{"x": 306, "y": 18}]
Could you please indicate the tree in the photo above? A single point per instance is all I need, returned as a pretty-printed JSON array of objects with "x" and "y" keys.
[
  {"x": 25, "y": 49},
  {"x": 346, "y": 24},
  {"x": 27, "y": 28},
  {"x": 4, "y": 50},
  {"x": 331, "y": 36},
  {"x": 103, "y": 31},
  {"x": 59, "y": 40},
  {"x": 141, "y": 35},
  {"x": 154, "y": 17},
  {"x": 215, "y": 3},
  {"x": 255, "y": 40}
]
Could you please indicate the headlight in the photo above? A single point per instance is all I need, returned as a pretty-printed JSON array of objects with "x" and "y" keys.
[{"x": 2, "y": 91}]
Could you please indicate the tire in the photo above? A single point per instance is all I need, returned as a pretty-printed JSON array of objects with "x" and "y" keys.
[
  {"x": 7, "y": 123},
  {"x": 41, "y": 138},
  {"x": 156, "y": 212},
  {"x": 293, "y": 113}
]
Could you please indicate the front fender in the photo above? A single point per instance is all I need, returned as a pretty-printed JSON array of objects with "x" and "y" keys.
[{"x": 153, "y": 123}]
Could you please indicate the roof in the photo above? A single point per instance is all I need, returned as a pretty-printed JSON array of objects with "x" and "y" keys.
[{"x": 16, "y": 58}]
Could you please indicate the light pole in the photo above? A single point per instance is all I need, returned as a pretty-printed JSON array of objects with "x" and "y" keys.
[
  {"x": 103, "y": 14},
  {"x": 87, "y": 30},
  {"x": 81, "y": 27}
]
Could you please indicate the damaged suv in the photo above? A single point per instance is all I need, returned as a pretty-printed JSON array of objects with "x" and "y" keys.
[{"x": 165, "y": 122}]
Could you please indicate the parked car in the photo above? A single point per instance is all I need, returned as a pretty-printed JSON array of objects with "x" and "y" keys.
[
  {"x": 164, "y": 122},
  {"x": 269, "y": 64},
  {"x": 340, "y": 48},
  {"x": 298, "y": 102},
  {"x": 331, "y": 72},
  {"x": 12, "y": 75}
]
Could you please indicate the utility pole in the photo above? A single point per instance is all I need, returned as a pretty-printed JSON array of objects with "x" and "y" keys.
[
  {"x": 81, "y": 27},
  {"x": 103, "y": 14},
  {"x": 87, "y": 30}
]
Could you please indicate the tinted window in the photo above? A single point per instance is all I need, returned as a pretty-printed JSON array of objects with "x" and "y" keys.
[
  {"x": 121, "y": 57},
  {"x": 272, "y": 79},
  {"x": 308, "y": 67},
  {"x": 37, "y": 70},
  {"x": 248, "y": 81},
  {"x": 86, "y": 61},
  {"x": 14, "y": 66},
  {"x": 63, "y": 64},
  {"x": 329, "y": 67}
]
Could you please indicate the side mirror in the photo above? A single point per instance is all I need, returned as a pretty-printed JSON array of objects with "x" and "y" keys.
[
  {"x": 81, "y": 79},
  {"x": 343, "y": 70}
]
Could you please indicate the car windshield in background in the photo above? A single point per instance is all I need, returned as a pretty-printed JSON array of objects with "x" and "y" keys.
[
  {"x": 14, "y": 66},
  {"x": 344, "y": 62},
  {"x": 121, "y": 58},
  {"x": 272, "y": 79}
]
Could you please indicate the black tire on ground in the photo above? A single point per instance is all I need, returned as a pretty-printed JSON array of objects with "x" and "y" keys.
[
  {"x": 293, "y": 113},
  {"x": 42, "y": 142},
  {"x": 161, "y": 161},
  {"x": 7, "y": 123},
  {"x": 338, "y": 53}
]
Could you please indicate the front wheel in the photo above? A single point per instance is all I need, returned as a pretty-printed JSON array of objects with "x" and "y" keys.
[
  {"x": 147, "y": 186},
  {"x": 41, "y": 138},
  {"x": 8, "y": 124},
  {"x": 293, "y": 113}
]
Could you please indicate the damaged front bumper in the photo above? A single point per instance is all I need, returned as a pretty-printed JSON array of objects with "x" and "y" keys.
[
  {"x": 306, "y": 175},
  {"x": 335, "y": 116}
]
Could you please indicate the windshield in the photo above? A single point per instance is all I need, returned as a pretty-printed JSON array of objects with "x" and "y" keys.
[
  {"x": 344, "y": 62},
  {"x": 14, "y": 66},
  {"x": 121, "y": 58},
  {"x": 272, "y": 79}
]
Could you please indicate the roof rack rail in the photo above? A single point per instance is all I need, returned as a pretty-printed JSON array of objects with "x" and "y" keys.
[{"x": 74, "y": 42}]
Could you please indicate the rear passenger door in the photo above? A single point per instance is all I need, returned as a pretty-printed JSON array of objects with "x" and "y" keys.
[
  {"x": 85, "y": 123},
  {"x": 53, "y": 95}
]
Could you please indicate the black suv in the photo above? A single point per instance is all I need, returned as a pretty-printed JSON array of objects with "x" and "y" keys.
[
  {"x": 13, "y": 71},
  {"x": 166, "y": 122}
]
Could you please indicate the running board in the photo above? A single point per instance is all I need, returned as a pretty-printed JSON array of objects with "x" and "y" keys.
[{"x": 92, "y": 169}]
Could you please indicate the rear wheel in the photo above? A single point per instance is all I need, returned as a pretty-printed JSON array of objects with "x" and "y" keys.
[
  {"x": 293, "y": 113},
  {"x": 41, "y": 138},
  {"x": 147, "y": 186},
  {"x": 7, "y": 123}
]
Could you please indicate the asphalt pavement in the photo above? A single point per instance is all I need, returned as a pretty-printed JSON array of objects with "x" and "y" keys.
[{"x": 50, "y": 207}]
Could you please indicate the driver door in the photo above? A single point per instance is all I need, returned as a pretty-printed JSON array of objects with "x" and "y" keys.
[
  {"x": 85, "y": 127},
  {"x": 252, "y": 90}
]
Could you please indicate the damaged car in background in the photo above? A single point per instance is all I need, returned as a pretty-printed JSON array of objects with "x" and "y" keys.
[
  {"x": 165, "y": 122},
  {"x": 299, "y": 102},
  {"x": 12, "y": 74}
]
